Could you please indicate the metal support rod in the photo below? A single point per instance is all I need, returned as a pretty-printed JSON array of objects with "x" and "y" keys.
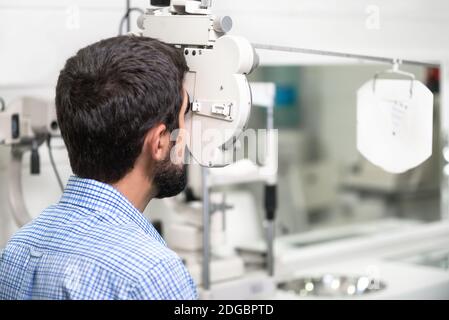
[
  {"x": 270, "y": 246},
  {"x": 270, "y": 117},
  {"x": 343, "y": 55},
  {"x": 223, "y": 212},
  {"x": 270, "y": 222},
  {"x": 444, "y": 131},
  {"x": 206, "y": 229}
]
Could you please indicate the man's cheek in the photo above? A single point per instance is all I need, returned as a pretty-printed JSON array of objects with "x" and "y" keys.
[
  {"x": 177, "y": 154},
  {"x": 178, "y": 150}
]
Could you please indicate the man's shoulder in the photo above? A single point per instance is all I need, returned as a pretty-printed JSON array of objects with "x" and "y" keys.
[
  {"x": 154, "y": 270},
  {"x": 96, "y": 254},
  {"x": 125, "y": 250},
  {"x": 122, "y": 249},
  {"x": 137, "y": 247}
]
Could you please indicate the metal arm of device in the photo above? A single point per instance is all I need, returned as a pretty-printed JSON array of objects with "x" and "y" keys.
[
  {"x": 344, "y": 55},
  {"x": 25, "y": 125}
]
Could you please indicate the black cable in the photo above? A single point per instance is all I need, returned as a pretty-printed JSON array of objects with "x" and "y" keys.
[
  {"x": 35, "y": 162},
  {"x": 2, "y": 104},
  {"x": 128, "y": 21},
  {"x": 270, "y": 201},
  {"x": 126, "y": 17},
  {"x": 53, "y": 164}
]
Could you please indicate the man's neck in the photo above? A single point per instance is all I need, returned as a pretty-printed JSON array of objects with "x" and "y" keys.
[{"x": 137, "y": 188}]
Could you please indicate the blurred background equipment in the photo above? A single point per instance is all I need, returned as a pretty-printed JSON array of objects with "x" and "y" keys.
[{"x": 26, "y": 124}]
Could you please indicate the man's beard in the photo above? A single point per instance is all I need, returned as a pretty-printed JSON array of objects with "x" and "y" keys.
[{"x": 169, "y": 178}]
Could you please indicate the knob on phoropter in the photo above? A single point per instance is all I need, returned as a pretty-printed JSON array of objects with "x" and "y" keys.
[{"x": 160, "y": 3}]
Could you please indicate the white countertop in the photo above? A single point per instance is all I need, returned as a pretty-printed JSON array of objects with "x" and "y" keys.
[{"x": 384, "y": 252}]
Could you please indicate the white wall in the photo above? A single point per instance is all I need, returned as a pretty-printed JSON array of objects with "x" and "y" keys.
[
  {"x": 38, "y": 36},
  {"x": 413, "y": 29}
]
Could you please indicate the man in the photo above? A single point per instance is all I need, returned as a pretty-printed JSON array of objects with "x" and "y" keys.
[{"x": 118, "y": 101}]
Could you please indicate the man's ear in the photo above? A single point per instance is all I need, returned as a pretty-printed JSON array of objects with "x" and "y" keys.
[{"x": 157, "y": 142}]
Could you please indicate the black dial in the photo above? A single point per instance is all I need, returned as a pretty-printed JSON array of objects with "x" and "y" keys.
[{"x": 160, "y": 3}]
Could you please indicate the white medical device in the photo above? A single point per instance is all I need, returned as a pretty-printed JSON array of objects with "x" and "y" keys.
[
  {"x": 216, "y": 83},
  {"x": 27, "y": 119},
  {"x": 24, "y": 125}
]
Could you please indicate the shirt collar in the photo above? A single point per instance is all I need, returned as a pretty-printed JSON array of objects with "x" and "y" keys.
[{"x": 102, "y": 197}]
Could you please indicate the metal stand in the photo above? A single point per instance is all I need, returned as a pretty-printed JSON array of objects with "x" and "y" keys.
[
  {"x": 270, "y": 247},
  {"x": 270, "y": 194},
  {"x": 206, "y": 230},
  {"x": 15, "y": 191}
]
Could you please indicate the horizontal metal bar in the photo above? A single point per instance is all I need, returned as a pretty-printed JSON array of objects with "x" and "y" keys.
[{"x": 343, "y": 55}]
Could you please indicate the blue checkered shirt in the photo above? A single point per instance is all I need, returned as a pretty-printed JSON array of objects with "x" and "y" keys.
[{"x": 93, "y": 244}]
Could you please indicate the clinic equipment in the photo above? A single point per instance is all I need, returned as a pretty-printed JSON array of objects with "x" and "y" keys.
[{"x": 25, "y": 124}]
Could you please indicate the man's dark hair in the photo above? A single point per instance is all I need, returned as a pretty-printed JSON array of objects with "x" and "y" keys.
[{"x": 109, "y": 95}]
